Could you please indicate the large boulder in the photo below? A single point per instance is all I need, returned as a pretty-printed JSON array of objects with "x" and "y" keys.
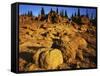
[
  {"x": 48, "y": 59},
  {"x": 53, "y": 17},
  {"x": 74, "y": 48},
  {"x": 53, "y": 59},
  {"x": 85, "y": 20}
]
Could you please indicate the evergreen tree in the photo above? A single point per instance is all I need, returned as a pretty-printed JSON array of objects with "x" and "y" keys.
[
  {"x": 57, "y": 10},
  {"x": 42, "y": 11},
  {"x": 62, "y": 13},
  {"x": 72, "y": 16},
  {"x": 75, "y": 14},
  {"x": 51, "y": 10},
  {"x": 94, "y": 20},
  {"x": 66, "y": 14},
  {"x": 76, "y": 20},
  {"x": 87, "y": 13},
  {"x": 78, "y": 12},
  {"x": 29, "y": 13},
  {"x": 91, "y": 16}
]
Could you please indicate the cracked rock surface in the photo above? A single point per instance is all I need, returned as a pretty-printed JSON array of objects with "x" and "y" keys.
[{"x": 55, "y": 43}]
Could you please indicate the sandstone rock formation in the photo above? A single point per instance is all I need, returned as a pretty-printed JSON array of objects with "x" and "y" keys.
[
  {"x": 54, "y": 42},
  {"x": 49, "y": 59}
]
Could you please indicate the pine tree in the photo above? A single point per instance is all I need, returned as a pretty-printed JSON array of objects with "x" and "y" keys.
[
  {"x": 29, "y": 13},
  {"x": 78, "y": 12},
  {"x": 75, "y": 14},
  {"x": 62, "y": 13},
  {"x": 42, "y": 11},
  {"x": 94, "y": 20},
  {"x": 72, "y": 16},
  {"x": 51, "y": 10},
  {"x": 91, "y": 16},
  {"x": 87, "y": 13},
  {"x": 66, "y": 14},
  {"x": 57, "y": 10}
]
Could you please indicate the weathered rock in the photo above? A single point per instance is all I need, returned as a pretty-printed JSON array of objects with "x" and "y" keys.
[
  {"x": 25, "y": 45},
  {"x": 72, "y": 49},
  {"x": 22, "y": 63},
  {"x": 41, "y": 17},
  {"x": 31, "y": 67},
  {"x": 85, "y": 20},
  {"x": 48, "y": 59},
  {"x": 53, "y": 17},
  {"x": 84, "y": 28},
  {"x": 53, "y": 59},
  {"x": 55, "y": 43},
  {"x": 37, "y": 55}
]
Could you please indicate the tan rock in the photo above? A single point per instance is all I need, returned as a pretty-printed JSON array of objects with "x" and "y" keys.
[
  {"x": 48, "y": 59},
  {"x": 72, "y": 48},
  {"x": 53, "y": 59},
  {"x": 84, "y": 28},
  {"x": 31, "y": 67},
  {"x": 36, "y": 56},
  {"x": 22, "y": 63},
  {"x": 85, "y": 20}
]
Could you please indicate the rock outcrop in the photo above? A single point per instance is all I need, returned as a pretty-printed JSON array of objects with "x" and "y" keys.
[{"x": 51, "y": 41}]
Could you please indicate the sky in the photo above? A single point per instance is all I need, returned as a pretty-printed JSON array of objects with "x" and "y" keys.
[{"x": 24, "y": 8}]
